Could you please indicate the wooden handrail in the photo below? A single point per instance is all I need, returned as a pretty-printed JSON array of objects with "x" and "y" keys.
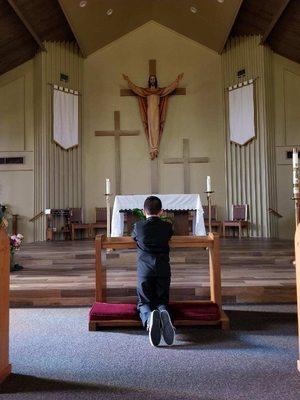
[
  {"x": 212, "y": 242},
  {"x": 5, "y": 367},
  {"x": 276, "y": 213},
  {"x": 297, "y": 253},
  {"x": 126, "y": 242},
  {"x": 37, "y": 216}
]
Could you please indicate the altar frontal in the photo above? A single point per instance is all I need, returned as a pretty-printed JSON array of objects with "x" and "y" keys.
[{"x": 169, "y": 202}]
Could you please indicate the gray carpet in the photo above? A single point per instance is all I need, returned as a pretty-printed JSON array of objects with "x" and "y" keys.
[{"x": 55, "y": 357}]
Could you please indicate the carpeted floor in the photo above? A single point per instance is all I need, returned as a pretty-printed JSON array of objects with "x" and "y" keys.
[{"x": 55, "y": 357}]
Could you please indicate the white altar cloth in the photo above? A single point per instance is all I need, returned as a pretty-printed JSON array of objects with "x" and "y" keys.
[{"x": 169, "y": 202}]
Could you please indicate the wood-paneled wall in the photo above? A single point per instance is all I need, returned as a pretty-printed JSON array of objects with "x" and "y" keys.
[
  {"x": 251, "y": 169},
  {"x": 5, "y": 367},
  {"x": 57, "y": 171}
]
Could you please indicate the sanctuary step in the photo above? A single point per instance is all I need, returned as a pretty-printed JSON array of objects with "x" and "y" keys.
[{"x": 63, "y": 274}]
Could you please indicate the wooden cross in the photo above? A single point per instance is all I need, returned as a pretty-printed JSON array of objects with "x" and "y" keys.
[
  {"x": 152, "y": 71},
  {"x": 117, "y": 133},
  {"x": 154, "y": 163},
  {"x": 186, "y": 160}
]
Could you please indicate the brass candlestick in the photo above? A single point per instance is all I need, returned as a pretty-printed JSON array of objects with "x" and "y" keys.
[
  {"x": 108, "y": 222},
  {"x": 208, "y": 196},
  {"x": 108, "y": 228}
]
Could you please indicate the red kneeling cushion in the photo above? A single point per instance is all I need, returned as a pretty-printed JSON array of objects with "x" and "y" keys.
[
  {"x": 194, "y": 311},
  {"x": 109, "y": 312},
  {"x": 178, "y": 311}
]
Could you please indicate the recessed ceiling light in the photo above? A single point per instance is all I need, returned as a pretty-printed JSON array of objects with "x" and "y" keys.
[
  {"x": 83, "y": 3},
  {"x": 109, "y": 11},
  {"x": 220, "y": 1},
  {"x": 193, "y": 9}
]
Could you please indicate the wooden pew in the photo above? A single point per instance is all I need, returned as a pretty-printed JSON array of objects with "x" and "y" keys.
[
  {"x": 5, "y": 367},
  {"x": 211, "y": 242},
  {"x": 297, "y": 253}
]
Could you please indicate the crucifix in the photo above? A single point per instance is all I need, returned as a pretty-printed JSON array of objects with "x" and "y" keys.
[
  {"x": 186, "y": 160},
  {"x": 117, "y": 133},
  {"x": 153, "y": 101}
]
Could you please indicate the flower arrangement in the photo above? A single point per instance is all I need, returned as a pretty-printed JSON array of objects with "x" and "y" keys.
[{"x": 15, "y": 242}]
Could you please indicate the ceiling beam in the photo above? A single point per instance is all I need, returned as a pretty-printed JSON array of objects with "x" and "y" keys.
[
  {"x": 80, "y": 45},
  {"x": 229, "y": 28},
  {"x": 27, "y": 24},
  {"x": 274, "y": 21}
]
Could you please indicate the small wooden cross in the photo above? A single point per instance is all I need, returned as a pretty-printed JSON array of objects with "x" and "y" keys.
[
  {"x": 154, "y": 163},
  {"x": 117, "y": 133},
  {"x": 186, "y": 160}
]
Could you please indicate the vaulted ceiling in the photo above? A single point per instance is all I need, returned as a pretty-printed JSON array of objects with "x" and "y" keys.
[
  {"x": 206, "y": 21},
  {"x": 277, "y": 21},
  {"x": 25, "y": 24}
]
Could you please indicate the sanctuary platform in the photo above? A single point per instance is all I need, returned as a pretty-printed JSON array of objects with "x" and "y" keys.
[{"x": 62, "y": 273}]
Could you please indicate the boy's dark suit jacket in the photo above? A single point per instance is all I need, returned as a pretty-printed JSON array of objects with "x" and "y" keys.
[{"x": 152, "y": 236}]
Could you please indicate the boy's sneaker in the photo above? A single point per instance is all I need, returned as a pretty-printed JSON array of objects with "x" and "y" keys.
[
  {"x": 154, "y": 328},
  {"x": 167, "y": 327}
]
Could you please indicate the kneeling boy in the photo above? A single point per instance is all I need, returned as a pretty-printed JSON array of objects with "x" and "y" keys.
[{"x": 154, "y": 272}]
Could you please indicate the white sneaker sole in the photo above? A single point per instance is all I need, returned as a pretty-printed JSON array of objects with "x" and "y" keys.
[
  {"x": 168, "y": 329},
  {"x": 154, "y": 328}
]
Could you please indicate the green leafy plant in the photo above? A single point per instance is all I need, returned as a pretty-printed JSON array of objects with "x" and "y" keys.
[
  {"x": 137, "y": 212},
  {"x": 140, "y": 214}
]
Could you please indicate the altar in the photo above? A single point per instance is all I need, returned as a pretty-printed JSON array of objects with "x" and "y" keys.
[{"x": 180, "y": 202}]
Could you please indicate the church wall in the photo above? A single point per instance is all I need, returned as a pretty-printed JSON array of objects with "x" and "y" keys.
[
  {"x": 197, "y": 116},
  {"x": 17, "y": 140},
  {"x": 57, "y": 171},
  {"x": 287, "y": 130},
  {"x": 250, "y": 169}
]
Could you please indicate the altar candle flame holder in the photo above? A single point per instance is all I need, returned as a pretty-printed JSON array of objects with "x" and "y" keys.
[
  {"x": 208, "y": 196},
  {"x": 108, "y": 218}
]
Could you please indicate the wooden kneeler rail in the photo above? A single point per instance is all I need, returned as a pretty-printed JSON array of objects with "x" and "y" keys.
[
  {"x": 297, "y": 252},
  {"x": 5, "y": 367},
  {"x": 211, "y": 242}
]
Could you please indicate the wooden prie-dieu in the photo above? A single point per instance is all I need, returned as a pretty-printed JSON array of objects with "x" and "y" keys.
[{"x": 187, "y": 313}]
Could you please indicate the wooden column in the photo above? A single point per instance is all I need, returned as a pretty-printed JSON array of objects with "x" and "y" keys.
[
  {"x": 215, "y": 270},
  {"x": 5, "y": 367},
  {"x": 297, "y": 253},
  {"x": 100, "y": 271}
]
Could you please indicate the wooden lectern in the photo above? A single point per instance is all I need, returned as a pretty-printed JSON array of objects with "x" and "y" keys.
[{"x": 5, "y": 367}]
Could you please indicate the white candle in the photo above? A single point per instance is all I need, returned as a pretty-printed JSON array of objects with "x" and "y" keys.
[
  {"x": 107, "y": 186},
  {"x": 208, "y": 184},
  {"x": 295, "y": 158}
]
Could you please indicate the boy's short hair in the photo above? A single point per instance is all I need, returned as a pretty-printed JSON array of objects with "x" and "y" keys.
[{"x": 152, "y": 205}]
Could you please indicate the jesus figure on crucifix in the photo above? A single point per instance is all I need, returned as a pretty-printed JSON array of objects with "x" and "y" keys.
[{"x": 153, "y": 102}]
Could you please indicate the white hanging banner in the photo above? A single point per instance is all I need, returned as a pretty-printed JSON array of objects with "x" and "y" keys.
[
  {"x": 241, "y": 113},
  {"x": 65, "y": 118}
]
